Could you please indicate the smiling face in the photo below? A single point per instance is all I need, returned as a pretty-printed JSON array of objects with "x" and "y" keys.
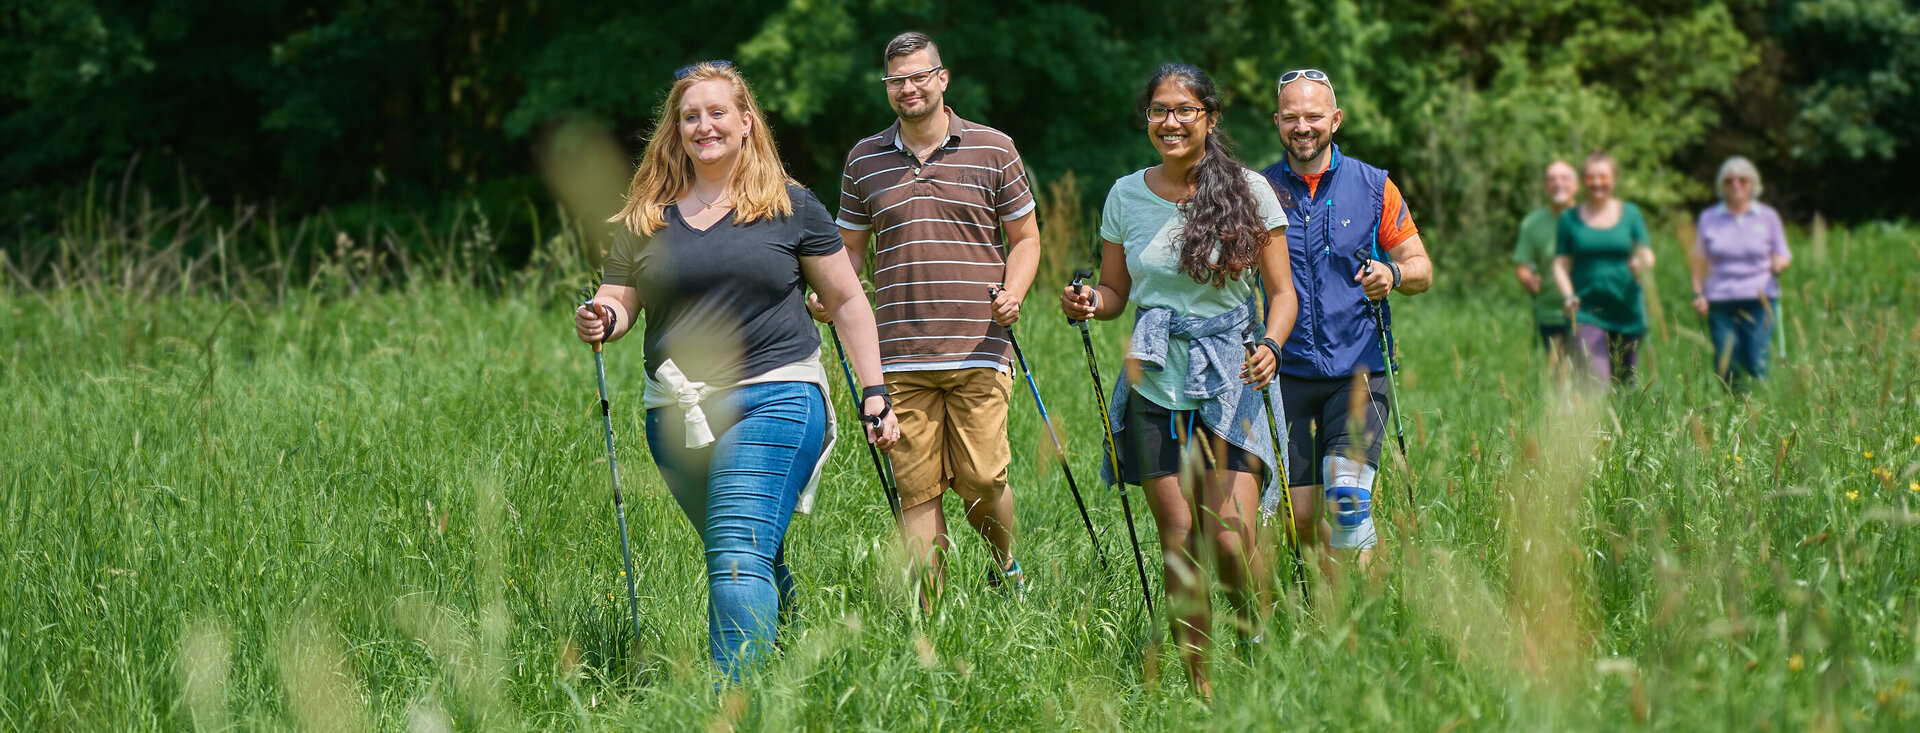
[
  {"x": 1307, "y": 120},
  {"x": 1176, "y": 140},
  {"x": 1562, "y": 185},
  {"x": 914, "y": 102},
  {"x": 713, "y": 129},
  {"x": 1599, "y": 180},
  {"x": 1738, "y": 190}
]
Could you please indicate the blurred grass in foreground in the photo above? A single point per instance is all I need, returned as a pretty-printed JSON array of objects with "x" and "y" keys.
[{"x": 347, "y": 500}]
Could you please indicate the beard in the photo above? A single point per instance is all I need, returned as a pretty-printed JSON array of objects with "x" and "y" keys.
[
  {"x": 928, "y": 104},
  {"x": 1315, "y": 147}
]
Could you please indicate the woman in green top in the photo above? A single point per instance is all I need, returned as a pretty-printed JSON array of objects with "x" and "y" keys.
[{"x": 1600, "y": 253}]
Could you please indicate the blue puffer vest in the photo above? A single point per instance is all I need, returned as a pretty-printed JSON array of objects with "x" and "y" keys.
[{"x": 1335, "y": 335}]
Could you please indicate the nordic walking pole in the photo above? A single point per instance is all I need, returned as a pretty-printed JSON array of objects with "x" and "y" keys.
[
  {"x": 619, "y": 507},
  {"x": 1279, "y": 451},
  {"x": 882, "y": 465},
  {"x": 1779, "y": 327},
  {"x": 1113, "y": 453},
  {"x": 1059, "y": 449},
  {"x": 1386, "y": 357}
]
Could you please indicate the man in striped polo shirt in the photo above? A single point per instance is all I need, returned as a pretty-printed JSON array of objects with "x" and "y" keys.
[{"x": 936, "y": 192}]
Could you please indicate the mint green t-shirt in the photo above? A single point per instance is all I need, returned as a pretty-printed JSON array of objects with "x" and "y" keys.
[
  {"x": 1534, "y": 248},
  {"x": 1609, "y": 295},
  {"x": 1146, "y": 225}
]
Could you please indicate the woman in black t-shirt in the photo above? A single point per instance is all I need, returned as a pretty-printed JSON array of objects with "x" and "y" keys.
[{"x": 718, "y": 249}]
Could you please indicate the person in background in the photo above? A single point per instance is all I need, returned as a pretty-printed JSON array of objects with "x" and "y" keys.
[
  {"x": 1601, "y": 251},
  {"x": 717, "y": 247},
  {"x": 1737, "y": 259},
  {"x": 1533, "y": 253}
]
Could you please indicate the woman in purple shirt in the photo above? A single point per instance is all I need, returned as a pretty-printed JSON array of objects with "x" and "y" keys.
[{"x": 1736, "y": 263}]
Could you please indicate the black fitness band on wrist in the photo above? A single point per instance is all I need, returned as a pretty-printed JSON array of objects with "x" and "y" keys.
[
  {"x": 1273, "y": 346},
  {"x": 1396, "y": 273},
  {"x": 886, "y": 400}
]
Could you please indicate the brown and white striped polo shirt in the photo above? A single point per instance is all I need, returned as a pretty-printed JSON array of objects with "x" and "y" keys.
[{"x": 937, "y": 241}]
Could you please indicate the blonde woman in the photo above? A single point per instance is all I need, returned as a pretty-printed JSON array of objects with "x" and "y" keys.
[{"x": 737, "y": 418}]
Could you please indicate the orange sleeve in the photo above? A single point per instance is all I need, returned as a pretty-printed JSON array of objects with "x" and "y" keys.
[{"x": 1396, "y": 223}]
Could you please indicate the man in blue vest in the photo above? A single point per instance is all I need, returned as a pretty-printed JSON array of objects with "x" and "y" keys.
[{"x": 1351, "y": 241}]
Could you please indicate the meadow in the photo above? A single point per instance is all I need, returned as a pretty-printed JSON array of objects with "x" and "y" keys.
[{"x": 242, "y": 498}]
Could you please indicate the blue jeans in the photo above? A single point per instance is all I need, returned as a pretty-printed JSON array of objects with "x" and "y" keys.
[
  {"x": 739, "y": 494},
  {"x": 1742, "y": 332}
]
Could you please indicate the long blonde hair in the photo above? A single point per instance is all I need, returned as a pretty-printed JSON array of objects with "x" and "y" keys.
[{"x": 759, "y": 184}]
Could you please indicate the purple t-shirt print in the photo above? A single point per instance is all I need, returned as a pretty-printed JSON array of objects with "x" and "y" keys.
[{"x": 1738, "y": 251}]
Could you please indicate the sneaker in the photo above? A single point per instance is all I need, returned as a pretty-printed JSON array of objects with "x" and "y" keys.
[{"x": 999, "y": 579}]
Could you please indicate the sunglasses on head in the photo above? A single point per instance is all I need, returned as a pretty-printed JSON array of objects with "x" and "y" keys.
[
  {"x": 1308, "y": 74},
  {"x": 683, "y": 71}
]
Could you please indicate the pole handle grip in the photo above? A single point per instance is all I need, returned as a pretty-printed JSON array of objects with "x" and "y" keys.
[
  {"x": 604, "y": 312},
  {"x": 1079, "y": 281}
]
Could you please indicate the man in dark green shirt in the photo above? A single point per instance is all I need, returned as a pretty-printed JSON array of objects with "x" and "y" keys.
[{"x": 1533, "y": 254}]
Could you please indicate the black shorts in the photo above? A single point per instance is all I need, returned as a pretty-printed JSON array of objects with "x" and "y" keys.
[
  {"x": 1149, "y": 444},
  {"x": 1318, "y": 424}
]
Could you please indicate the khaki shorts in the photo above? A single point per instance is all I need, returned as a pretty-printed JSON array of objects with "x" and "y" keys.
[{"x": 953, "y": 433}]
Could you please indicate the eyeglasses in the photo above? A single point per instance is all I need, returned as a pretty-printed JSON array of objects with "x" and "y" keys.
[
  {"x": 683, "y": 71},
  {"x": 918, "y": 78},
  {"x": 1309, "y": 74},
  {"x": 1186, "y": 115}
]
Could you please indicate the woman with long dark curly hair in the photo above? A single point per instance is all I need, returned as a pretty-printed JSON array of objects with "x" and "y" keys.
[{"x": 1185, "y": 242}]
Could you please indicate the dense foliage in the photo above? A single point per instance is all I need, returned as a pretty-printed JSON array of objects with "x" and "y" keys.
[{"x": 330, "y": 105}]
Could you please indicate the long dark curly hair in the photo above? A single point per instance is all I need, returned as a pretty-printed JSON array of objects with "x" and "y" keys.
[{"x": 1224, "y": 230}]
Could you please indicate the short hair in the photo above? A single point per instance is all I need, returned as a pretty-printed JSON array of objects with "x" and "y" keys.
[
  {"x": 1737, "y": 166},
  {"x": 910, "y": 42}
]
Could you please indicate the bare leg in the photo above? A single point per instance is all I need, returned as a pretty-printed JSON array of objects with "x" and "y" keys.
[
  {"x": 993, "y": 519},
  {"x": 925, "y": 528},
  {"x": 1230, "y": 523},
  {"x": 1188, "y": 607}
]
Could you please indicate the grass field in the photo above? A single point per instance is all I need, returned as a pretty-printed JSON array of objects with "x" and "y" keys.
[{"x": 390, "y": 510}]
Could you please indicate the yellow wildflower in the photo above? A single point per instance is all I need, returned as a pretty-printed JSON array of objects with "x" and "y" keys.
[
  {"x": 1868, "y": 454},
  {"x": 1796, "y": 662},
  {"x": 1739, "y": 459},
  {"x": 1913, "y": 485},
  {"x": 1853, "y": 496}
]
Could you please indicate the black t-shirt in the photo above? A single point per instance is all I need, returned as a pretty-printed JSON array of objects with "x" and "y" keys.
[{"x": 728, "y": 303}]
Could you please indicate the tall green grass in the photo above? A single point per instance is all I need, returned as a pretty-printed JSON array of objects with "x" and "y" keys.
[{"x": 353, "y": 502}]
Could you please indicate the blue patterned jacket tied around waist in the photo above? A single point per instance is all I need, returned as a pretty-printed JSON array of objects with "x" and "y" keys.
[{"x": 1215, "y": 353}]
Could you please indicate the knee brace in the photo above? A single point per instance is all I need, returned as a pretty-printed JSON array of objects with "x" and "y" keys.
[{"x": 1350, "y": 498}]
